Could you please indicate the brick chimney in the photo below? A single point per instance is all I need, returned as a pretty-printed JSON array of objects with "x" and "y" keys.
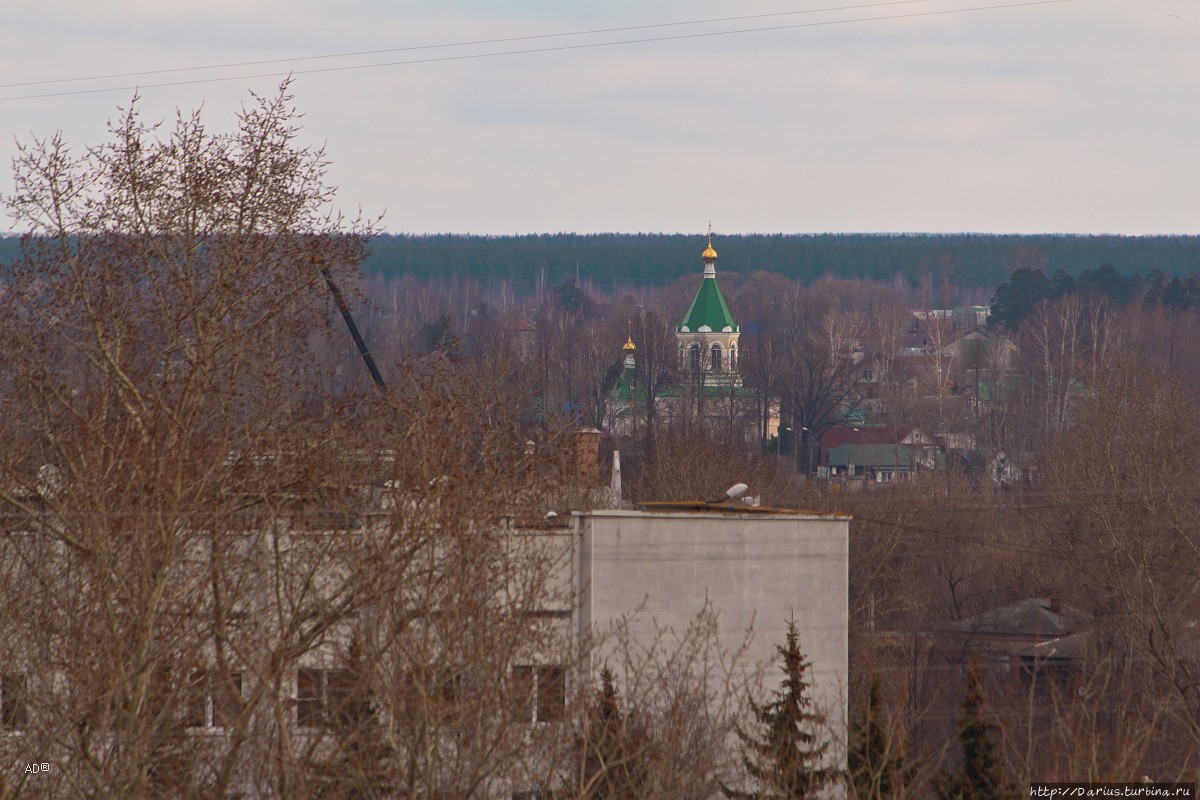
[{"x": 587, "y": 456}]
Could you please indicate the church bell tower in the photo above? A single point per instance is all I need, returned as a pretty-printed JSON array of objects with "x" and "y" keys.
[{"x": 708, "y": 335}]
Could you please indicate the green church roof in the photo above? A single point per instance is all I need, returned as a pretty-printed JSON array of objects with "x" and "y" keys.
[
  {"x": 708, "y": 312},
  {"x": 627, "y": 389}
]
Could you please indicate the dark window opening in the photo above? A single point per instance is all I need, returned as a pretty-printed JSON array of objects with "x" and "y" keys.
[
  {"x": 214, "y": 700},
  {"x": 329, "y": 697},
  {"x": 539, "y": 693}
]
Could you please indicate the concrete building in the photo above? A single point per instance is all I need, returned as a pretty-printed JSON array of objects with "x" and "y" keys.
[
  {"x": 757, "y": 568},
  {"x": 322, "y": 643}
]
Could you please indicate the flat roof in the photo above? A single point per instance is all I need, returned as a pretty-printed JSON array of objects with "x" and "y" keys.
[{"x": 692, "y": 508}]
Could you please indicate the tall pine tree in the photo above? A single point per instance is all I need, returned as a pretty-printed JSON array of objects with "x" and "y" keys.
[
  {"x": 875, "y": 760},
  {"x": 981, "y": 774},
  {"x": 787, "y": 758}
]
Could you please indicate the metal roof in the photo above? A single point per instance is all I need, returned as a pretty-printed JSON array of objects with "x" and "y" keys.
[{"x": 708, "y": 310}]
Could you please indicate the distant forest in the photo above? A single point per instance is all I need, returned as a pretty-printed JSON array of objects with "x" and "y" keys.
[
  {"x": 660, "y": 259},
  {"x": 656, "y": 259}
]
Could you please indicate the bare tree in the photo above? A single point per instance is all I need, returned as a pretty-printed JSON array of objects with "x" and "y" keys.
[
  {"x": 1121, "y": 485},
  {"x": 219, "y": 574},
  {"x": 656, "y": 366},
  {"x": 817, "y": 383},
  {"x": 156, "y": 328}
]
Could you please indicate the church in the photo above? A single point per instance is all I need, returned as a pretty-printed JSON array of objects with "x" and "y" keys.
[
  {"x": 707, "y": 386},
  {"x": 708, "y": 336}
]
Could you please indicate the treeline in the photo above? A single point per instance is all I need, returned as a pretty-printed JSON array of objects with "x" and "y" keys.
[
  {"x": 610, "y": 260},
  {"x": 661, "y": 258},
  {"x": 1016, "y": 298}
]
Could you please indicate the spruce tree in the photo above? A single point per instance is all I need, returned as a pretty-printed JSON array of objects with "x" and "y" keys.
[
  {"x": 613, "y": 749},
  {"x": 875, "y": 765},
  {"x": 787, "y": 758},
  {"x": 981, "y": 774}
]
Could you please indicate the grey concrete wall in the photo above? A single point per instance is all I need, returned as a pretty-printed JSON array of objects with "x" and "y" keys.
[{"x": 757, "y": 570}]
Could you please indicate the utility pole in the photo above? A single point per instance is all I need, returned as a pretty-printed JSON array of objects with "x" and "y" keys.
[{"x": 340, "y": 300}]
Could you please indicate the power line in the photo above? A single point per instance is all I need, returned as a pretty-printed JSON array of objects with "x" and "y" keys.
[
  {"x": 524, "y": 51},
  {"x": 446, "y": 45}
]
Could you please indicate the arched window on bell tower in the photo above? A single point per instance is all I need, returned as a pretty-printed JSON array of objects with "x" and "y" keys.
[
  {"x": 716, "y": 356},
  {"x": 694, "y": 351}
]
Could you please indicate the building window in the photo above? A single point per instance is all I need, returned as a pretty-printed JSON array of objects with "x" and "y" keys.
[
  {"x": 13, "y": 694},
  {"x": 716, "y": 356},
  {"x": 733, "y": 357},
  {"x": 328, "y": 697},
  {"x": 325, "y": 510},
  {"x": 214, "y": 700},
  {"x": 539, "y": 693},
  {"x": 694, "y": 350},
  {"x": 867, "y": 375}
]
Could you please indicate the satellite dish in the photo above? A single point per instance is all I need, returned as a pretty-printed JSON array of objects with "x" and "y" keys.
[{"x": 733, "y": 492}]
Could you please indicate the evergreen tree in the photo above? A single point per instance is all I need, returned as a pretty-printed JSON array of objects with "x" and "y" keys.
[
  {"x": 612, "y": 749},
  {"x": 787, "y": 760},
  {"x": 437, "y": 336},
  {"x": 981, "y": 775},
  {"x": 571, "y": 298},
  {"x": 1014, "y": 300},
  {"x": 875, "y": 764}
]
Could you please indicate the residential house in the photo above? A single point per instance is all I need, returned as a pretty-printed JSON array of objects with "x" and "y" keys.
[
  {"x": 876, "y": 454},
  {"x": 1002, "y": 633}
]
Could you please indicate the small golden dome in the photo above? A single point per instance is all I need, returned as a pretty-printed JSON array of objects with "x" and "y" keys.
[
  {"x": 629, "y": 346},
  {"x": 709, "y": 254}
]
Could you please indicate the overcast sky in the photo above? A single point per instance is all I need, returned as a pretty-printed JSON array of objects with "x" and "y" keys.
[{"x": 1079, "y": 116}]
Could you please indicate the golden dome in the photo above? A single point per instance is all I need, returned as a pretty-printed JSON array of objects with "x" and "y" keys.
[
  {"x": 709, "y": 254},
  {"x": 629, "y": 346}
]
